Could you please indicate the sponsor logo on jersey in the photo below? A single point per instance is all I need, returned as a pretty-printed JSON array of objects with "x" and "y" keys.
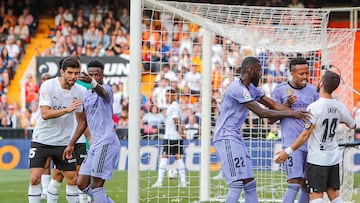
[{"x": 289, "y": 91}]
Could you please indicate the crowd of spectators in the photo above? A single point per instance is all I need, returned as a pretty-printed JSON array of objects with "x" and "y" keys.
[{"x": 172, "y": 49}]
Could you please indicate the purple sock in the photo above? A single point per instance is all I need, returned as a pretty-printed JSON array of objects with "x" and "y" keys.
[
  {"x": 291, "y": 192},
  {"x": 234, "y": 192},
  {"x": 304, "y": 196},
  {"x": 250, "y": 192},
  {"x": 100, "y": 195}
]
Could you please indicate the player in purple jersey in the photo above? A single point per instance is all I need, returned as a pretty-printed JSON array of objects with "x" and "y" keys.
[
  {"x": 240, "y": 97},
  {"x": 322, "y": 168},
  {"x": 104, "y": 151},
  {"x": 298, "y": 94}
]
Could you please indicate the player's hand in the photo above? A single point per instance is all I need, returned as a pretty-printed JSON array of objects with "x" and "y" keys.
[
  {"x": 67, "y": 154},
  {"x": 301, "y": 114},
  {"x": 280, "y": 157},
  {"x": 85, "y": 77},
  {"x": 183, "y": 136},
  {"x": 76, "y": 104},
  {"x": 291, "y": 99}
]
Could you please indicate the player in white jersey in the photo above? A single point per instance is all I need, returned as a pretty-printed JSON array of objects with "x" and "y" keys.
[
  {"x": 59, "y": 101},
  {"x": 322, "y": 170},
  {"x": 173, "y": 140}
]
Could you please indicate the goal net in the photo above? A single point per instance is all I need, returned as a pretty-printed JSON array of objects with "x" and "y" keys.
[{"x": 172, "y": 57}]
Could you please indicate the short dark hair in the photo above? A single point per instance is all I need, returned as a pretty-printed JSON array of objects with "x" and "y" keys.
[
  {"x": 331, "y": 81},
  {"x": 297, "y": 61},
  {"x": 69, "y": 61},
  {"x": 249, "y": 62},
  {"x": 95, "y": 64}
]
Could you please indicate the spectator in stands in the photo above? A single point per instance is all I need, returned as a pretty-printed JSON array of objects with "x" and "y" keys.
[
  {"x": 11, "y": 17},
  {"x": 76, "y": 37},
  {"x": 59, "y": 16},
  {"x": 125, "y": 18},
  {"x": 4, "y": 73},
  {"x": 95, "y": 17},
  {"x": 192, "y": 128},
  {"x": 193, "y": 80},
  {"x": 102, "y": 7},
  {"x": 22, "y": 30},
  {"x": 80, "y": 25},
  {"x": 104, "y": 39},
  {"x": 153, "y": 121},
  {"x": 29, "y": 19},
  {"x": 68, "y": 17},
  {"x": 13, "y": 48},
  {"x": 91, "y": 36},
  {"x": 4, "y": 30},
  {"x": 13, "y": 120},
  {"x": 70, "y": 45},
  {"x": 31, "y": 90},
  {"x": 4, "y": 102},
  {"x": 158, "y": 96},
  {"x": 117, "y": 107},
  {"x": 166, "y": 72},
  {"x": 8, "y": 62}
]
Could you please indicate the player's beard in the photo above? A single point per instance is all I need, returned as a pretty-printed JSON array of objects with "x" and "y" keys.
[
  {"x": 318, "y": 88},
  {"x": 255, "y": 80}
]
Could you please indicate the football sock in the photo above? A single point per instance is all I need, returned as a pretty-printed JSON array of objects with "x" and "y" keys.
[
  {"x": 304, "y": 196},
  {"x": 34, "y": 193},
  {"x": 53, "y": 191},
  {"x": 72, "y": 193},
  {"x": 83, "y": 197},
  {"x": 182, "y": 172},
  {"x": 291, "y": 192},
  {"x": 250, "y": 192},
  {"x": 234, "y": 192},
  {"x": 100, "y": 195},
  {"x": 162, "y": 169},
  {"x": 45, "y": 181}
]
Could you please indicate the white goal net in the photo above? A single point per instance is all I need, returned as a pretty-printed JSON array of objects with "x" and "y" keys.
[{"x": 172, "y": 40}]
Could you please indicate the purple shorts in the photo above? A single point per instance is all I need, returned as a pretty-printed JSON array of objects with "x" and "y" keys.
[
  {"x": 101, "y": 161},
  {"x": 295, "y": 165},
  {"x": 235, "y": 160}
]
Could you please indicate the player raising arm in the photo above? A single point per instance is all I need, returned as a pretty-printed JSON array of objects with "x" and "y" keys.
[
  {"x": 322, "y": 170},
  {"x": 104, "y": 151}
]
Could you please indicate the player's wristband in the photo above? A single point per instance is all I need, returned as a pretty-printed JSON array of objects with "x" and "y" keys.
[
  {"x": 289, "y": 150},
  {"x": 93, "y": 83}
]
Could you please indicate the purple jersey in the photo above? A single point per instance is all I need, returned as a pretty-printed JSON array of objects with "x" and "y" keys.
[
  {"x": 292, "y": 127},
  {"x": 233, "y": 113},
  {"x": 99, "y": 117}
]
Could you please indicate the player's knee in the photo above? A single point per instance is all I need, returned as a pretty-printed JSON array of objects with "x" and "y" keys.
[
  {"x": 97, "y": 183},
  {"x": 71, "y": 178},
  {"x": 296, "y": 181},
  {"x": 35, "y": 179}
]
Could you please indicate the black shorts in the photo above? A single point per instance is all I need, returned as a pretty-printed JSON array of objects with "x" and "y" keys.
[
  {"x": 80, "y": 152},
  {"x": 40, "y": 152},
  {"x": 320, "y": 178},
  {"x": 172, "y": 147}
]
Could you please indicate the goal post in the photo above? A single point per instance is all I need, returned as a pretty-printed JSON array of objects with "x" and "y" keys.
[{"x": 215, "y": 38}]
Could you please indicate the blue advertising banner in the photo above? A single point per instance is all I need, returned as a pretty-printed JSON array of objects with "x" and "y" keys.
[{"x": 14, "y": 155}]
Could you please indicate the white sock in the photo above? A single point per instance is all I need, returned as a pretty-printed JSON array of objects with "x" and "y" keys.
[
  {"x": 337, "y": 200},
  {"x": 53, "y": 191},
  {"x": 162, "y": 169},
  {"x": 182, "y": 171},
  {"x": 317, "y": 200},
  {"x": 45, "y": 181},
  {"x": 34, "y": 193},
  {"x": 83, "y": 197},
  {"x": 72, "y": 193}
]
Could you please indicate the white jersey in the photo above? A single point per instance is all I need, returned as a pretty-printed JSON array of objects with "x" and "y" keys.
[
  {"x": 327, "y": 114},
  {"x": 173, "y": 111},
  {"x": 57, "y": 131}
]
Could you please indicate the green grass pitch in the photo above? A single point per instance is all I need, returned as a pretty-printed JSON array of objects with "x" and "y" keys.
[{"x": 14, "y": 187}]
